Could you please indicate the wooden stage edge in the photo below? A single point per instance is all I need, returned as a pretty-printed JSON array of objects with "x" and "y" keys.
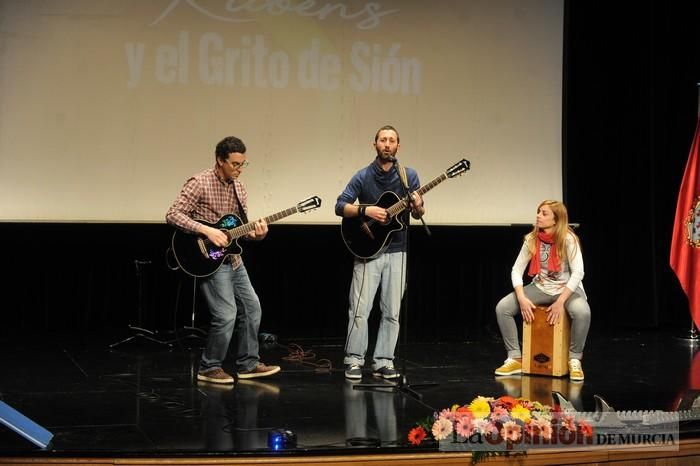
[{"x": 687, "y": 454}]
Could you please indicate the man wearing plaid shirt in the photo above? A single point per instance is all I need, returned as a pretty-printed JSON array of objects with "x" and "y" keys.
[{"x": 208, "y": 196}]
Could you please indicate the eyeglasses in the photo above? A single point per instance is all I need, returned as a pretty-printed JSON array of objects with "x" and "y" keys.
[{"x": 238, "y": 165}]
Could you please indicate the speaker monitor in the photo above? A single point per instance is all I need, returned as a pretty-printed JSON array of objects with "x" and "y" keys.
[{"x": 24, "y": 426}]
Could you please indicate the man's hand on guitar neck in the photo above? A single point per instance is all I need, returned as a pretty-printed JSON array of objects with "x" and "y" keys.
[
  {"x": 260, "y": 231},
  {"x": 417, "y": 209}
]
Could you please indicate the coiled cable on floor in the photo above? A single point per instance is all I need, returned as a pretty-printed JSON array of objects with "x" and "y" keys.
[{"x": 306, "y": 358}]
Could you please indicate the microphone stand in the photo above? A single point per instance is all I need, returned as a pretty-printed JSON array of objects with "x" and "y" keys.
[
  {"x": 138, "y": 329},
  {"x": 402, "y": 385}
]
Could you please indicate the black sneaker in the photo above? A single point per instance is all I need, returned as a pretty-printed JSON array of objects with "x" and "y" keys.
[
  {"x": 353, "y": 371},
  {"x": 387, "y": 372}
]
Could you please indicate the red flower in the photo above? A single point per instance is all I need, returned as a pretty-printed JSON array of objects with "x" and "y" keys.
[
  {"x": 416, "y": 435},
  {"x": 464, "y": 409},
  {"x": 507, "y": 401},
  {"x": 585, "y": 428}
]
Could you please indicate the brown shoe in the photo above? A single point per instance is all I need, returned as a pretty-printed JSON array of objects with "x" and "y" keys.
[
  {"x": 215, "y": 375},
  {"x": 261, "y": 370}
]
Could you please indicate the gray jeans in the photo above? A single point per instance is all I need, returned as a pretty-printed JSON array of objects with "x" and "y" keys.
[{"x": 576, "y": 306}]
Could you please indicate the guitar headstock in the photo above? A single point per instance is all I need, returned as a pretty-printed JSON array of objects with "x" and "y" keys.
[
  {"x": 314, "y": 202},
  {"x": 459, "y": 168}
]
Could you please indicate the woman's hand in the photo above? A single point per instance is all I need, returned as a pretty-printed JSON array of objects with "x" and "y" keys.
[
  {"x": 526, "y": 309},
  {"x": 554, "y": 312}
]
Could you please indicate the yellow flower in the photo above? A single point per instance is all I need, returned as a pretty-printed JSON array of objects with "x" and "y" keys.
[
  {"x": 480, "y": 407},
  {"x": 537, "y": 406},
  {"x": 520, "y": 412}
]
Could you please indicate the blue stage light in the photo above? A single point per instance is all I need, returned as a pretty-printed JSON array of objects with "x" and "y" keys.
[{"x": 281, "y": 439}]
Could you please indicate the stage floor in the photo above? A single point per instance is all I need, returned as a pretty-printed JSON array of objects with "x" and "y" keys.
[{"x": 142, "y": 399}]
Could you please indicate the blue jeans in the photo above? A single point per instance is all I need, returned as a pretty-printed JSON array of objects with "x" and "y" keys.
[
  {"x": 389, "y": 271},
  {"x": 232, "y": 303}
]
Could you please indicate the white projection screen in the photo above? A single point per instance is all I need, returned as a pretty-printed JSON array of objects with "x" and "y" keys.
[{"x": 108, "y": 106}]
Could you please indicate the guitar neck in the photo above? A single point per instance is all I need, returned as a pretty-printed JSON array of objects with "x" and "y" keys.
[
  {"x": 243, "y": 230},
  {"x": 402, "y": 204}
]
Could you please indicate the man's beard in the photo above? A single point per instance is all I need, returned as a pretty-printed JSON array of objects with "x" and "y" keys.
[{"x": 385, "y": 155}]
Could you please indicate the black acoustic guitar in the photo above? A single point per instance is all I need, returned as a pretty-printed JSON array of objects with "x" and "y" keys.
[
  {"x": 199, "y": 257},
  {"x": 366, "y": 238}
]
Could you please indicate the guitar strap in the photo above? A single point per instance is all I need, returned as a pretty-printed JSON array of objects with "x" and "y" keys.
[
  {"x": 403, "y": 177},
  {"x": 241, "y": 210},
  {"x": 404, "y": 182}
]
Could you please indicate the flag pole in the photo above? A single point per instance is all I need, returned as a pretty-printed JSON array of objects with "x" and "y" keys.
[{"x": 692, "y": 337}]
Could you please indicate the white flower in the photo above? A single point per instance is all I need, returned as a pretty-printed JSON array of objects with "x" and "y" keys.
[{"x": 442, "y": 428}]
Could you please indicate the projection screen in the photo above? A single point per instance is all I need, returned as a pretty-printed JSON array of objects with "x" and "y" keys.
[{"x": 107, "y": 107}]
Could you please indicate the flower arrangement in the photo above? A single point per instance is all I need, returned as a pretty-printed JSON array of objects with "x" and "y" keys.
[{"x": 505, "y": 423}]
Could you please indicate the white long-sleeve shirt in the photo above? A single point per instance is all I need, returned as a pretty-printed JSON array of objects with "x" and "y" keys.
[{"x": 570, "y": 276}]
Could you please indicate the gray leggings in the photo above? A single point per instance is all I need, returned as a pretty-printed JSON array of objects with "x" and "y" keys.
[{"x": 576, "y": 306}]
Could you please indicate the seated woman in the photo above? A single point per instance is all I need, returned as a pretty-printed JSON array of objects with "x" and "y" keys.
[{"x": 556, "y": 267}]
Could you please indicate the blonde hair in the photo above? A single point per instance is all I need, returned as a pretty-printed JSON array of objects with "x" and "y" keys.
[{"x": 561, "y": 230}]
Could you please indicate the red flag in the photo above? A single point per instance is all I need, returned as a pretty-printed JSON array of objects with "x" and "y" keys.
[{"x": 685, "y": 244}]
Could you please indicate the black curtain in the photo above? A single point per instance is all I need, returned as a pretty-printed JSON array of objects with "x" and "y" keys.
[{"x": 630, "y": 110}]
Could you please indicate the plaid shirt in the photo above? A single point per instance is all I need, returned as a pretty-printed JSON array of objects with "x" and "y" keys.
[{"x": 207, "y": 197}]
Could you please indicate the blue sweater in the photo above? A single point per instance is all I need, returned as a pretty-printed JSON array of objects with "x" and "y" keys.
[{"x": 367, "y": 186}]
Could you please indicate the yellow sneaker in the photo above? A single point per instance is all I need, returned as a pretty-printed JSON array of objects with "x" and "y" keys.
[
  {"x": 575, "y": 369},
  {"x": 510, "y": 367}
]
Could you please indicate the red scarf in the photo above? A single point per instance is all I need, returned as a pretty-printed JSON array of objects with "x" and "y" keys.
[{"x": 553, "y": 264}]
